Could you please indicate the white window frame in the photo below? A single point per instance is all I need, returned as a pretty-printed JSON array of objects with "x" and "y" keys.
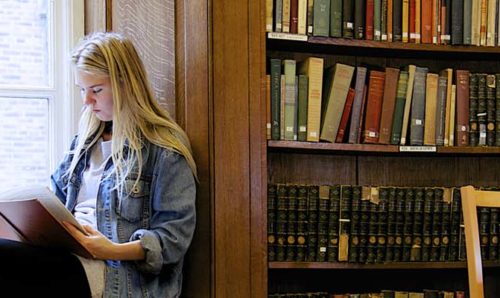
[{"x": 64, "y": 32}]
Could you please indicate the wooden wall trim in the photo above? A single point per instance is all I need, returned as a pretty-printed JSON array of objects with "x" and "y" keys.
[
  {"x": 96, "y": 15},
  {"x": 193, "y": 110},
  {"x": 230, "y": 30}
]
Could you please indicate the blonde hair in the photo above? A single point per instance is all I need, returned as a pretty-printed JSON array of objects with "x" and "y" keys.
[{"x": 136, "y": 113}]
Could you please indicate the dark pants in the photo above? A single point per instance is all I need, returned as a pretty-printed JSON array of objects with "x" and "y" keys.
[{"x": 29, "y": 271}]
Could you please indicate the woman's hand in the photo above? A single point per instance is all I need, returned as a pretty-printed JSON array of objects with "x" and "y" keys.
[{"x": 102, "y": 248}]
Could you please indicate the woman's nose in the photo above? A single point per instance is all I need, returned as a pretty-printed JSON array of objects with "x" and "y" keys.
[{"x": 87, "y": 97}]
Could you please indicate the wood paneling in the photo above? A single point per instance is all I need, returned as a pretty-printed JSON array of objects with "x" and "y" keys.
[
  {"x": 151, "y": 25},
  {"x": 95, "y": 15},
  {"x": 193, "y": 113},
  {"x": 231, "y": 144}
]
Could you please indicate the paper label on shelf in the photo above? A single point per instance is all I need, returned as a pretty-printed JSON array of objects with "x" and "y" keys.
[
  {"x": 417, "y": 148},
  {"x": 287, "y": 36}
]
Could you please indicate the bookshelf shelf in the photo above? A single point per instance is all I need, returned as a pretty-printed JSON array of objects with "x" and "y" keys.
[
  {"x": 375, "y": 148},
  {"x": 394, "y": 265}
]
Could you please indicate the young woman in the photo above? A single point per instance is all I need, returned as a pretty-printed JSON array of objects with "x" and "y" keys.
[{"x": 129, "y": 178}]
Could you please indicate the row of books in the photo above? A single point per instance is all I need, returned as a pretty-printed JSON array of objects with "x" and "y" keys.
[
  {"x": 361, "y": 224},
  {"x": 416, "y": 21},
  {"x": 382, "y": 294},
  {"x": 368, "y": 104}
]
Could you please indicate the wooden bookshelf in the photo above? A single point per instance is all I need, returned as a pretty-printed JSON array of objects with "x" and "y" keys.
[{"x": 384, "y": 266}]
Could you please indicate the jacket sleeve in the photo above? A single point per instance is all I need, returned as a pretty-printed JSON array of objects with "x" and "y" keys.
[
  {"x": 59, "y": 179},
  {"x": 173, "y": 215}
]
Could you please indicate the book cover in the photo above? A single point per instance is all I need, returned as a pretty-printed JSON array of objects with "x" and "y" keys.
[
  {"x": 333, "y": 224},
  {"x": 321, "y": 18},
  {"x": 348, "y": 19},
  {"x": 294, "y": 16},
  {"x": 457, "y": 22},
  {"x": 426, "y": 21},
  {"x": 441, "y": 110},
  {"x": 377, "y": 12},
  {"x": 359, "y": 19},
  {"x": 373, "y": 106},
  {"x": 285, "y": 21},
  {"x": 290, "y": 115},
  {"x": 345, "y": 117},
  {"x": 302, "y": 108},
  {"x": 462, "y": 111},
  {"x": 418, "y": 107},
  {"x": 313, "y": 68},
  {"x": 405, "y": 21},
  {"x": 388, "y": 104},
  {"x": 35, "y": 216},
  {"x": 448, "y": 72},
  {"x": 453, "y": 105},
  {"x": 302, "y": 17},
  {"x": 275, "y": 66},
  {"x": 397, "y": 20},
  {"x": 336, "y": 18},
  {"x": 399, "y": 107},
  {"x": 359, "y": 87},
  {"x": 323, "y": 216},
  {"x": 334, "y": 99},
  {"x": 409, "y": 94},
  {"x": 271, "y": 222},
  {"x": 369, "y": 19},
  {"x": 301, "y": 236}
]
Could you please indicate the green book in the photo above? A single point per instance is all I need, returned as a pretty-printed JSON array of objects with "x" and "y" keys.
[
  {"x": 302, "y": 108},
  {"x": 397, "y": 119},
  {"x": 377, "y": 26},
  {"x": 275, "y": 66},
  {"x": 321, "y": 18},
  {"x": 289, "y": 67},
  {"x": 336, "y": 18}
]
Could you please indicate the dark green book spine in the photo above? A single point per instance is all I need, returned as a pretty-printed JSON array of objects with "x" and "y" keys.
[
  {"x": 400, "y": 221},
  {"x": 391, "y": 222},
  {"x": 323, "y": 215},
  {"x": 336, "y": 18},
  {"x": 397, "y": 120},
  {"x": 355, "y": 224},
  {"x": 373, "y": 222},
  {"x": 427, "y": 224},
  {"x": 312, "y": 222},
  {"x": 271, "y": 222},
  {"x": 456, "y": 211},
  {"x": 490, "y": 110},
  {"x": 359, "y": 19},
  {"x": 397, "y": 20},
  {"x": 302, "y": 108},
  {"x": 467, "y": 22},
  {"x": 333, "y": 224},
  {"x": 291, "y": 244},
  {"x": 473, "y": 109},
  {"x": 382, "y": 227},
  {"x": 483, "y": 216},
  {"x": 436, "y": 225},
  {"x": 418, "y": 214},
  {"x": 275, "y": 98},
  {"x": 301, "y": 238},
  {"x": 445, "y": 225},
  {"x": 418, "y": 107},
  {"x": 364, "y": 219},
  {"x": 347, "y": 18},
  {"x": 321, "y": 18},
  {"x": 345, "y": 221},
  {"x": 281, "y": 222},
  {"x": 481, "y": 108},
  {"x": 497, "y": 110},
  {"x": 408, "y": 224},
  {"x": 494, "y": 222},
  {"x": 377, "y": 27}
]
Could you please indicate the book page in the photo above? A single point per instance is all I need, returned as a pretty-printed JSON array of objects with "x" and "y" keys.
[{"x": 47, "y": 198}]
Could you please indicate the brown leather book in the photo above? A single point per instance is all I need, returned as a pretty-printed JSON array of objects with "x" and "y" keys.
[
  {"x": 426, "y": 21},
  {"x": 294, "y": 16},
  {"x": 373, "y": 106},
  {"x": 35, "y": 216},
  {"x": 388, "y": 103},
  {"x": 369, "y": 19},
  {"x": 462, "y": 110}
]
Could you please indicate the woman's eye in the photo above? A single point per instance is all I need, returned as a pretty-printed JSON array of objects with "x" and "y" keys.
[{"x": 97, "y": 90}]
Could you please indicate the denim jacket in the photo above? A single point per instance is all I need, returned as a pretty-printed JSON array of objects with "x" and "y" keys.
[{"x": 159, "y": 211}]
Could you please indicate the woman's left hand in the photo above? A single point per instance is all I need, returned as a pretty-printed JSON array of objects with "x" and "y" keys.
[{"x": 96, "y": 243}]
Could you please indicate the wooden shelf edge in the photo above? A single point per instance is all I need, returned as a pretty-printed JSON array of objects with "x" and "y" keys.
[
  {"x": 376, "y": 148},
  {"x": 392, "y": 265}
]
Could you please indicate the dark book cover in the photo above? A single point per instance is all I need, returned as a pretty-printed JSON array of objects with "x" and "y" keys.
[
  {"x": 390, "y": 194},
  {"x": 355, "y": 224},
  {"x": 457, "y": 22},
  {"x": 427, "y": 224},
  {"x": 291, "y": 229},
  {"x": 373, "y": 106},
  {"x": 497, "y": 110},
  {"x": 344, "y": 225},
  {"x": 312, "y": 222},
  {"x": 462, "y": 108},
  {"x": 357, "y": 104},
  {"x": 364, "y": 218},
  {"x": 436, "y": 225},
  {"x": 382, "y": 227},
  {"x": 441, "y": 108},
  {"x": 490, "y": 109},
  {"x": 333, "y": 224},
  {"x": 347, "y": 18},
  {"x": 271, "y": 222},
  {"x": 275, "y": 66},
  {"x": 302, "y": 217},
  {"x": 456, "y": 211},
  {"x": 321, "y": 18},
  {"x": 445, "y": 224},
  {"x": 302, "y": 108},
  {"x": 359, "y": 19},
  {"x": 397, "y": 20},
  {"x": 418, "y": 107},
  {"x": 400, "y": 222},
  {"x": 408, "y": 224},
  {"x": 341, "y": 133},
  {"x": 399, "y": 107},
  {"x": 369, "y": 19},
  {"x": 323, "y": 215},
  {"x": 373, "y": 224},
  {"x": 281, "y": 222},
  {"x": 473, "y": 109},
  {"x": 418, "y": 214}
]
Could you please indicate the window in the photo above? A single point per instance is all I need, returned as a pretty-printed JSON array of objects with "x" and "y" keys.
[{"x": 37, "y": 95}]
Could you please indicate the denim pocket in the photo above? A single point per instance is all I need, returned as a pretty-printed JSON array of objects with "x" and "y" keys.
[{"x": 130, "y": 203}]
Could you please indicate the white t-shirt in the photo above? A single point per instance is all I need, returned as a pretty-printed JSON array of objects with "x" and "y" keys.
[{"x": 85, "y": 211}]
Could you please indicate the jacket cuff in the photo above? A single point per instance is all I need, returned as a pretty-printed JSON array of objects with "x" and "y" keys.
[{"x": 153, "y": 260}]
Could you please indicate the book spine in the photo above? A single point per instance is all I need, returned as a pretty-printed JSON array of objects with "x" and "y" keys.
[
  {"x": 323, "y": 215},
  {"x": 440, "y": 115},
  {"x": 374, "y": 106},
  {"x": 294, "y": 16},
  {"x": 382, "y": 228},
  {"x": 399, "y": 108},
  {"x": 409, "y": 96},
  {"x": 369, "y": 19},
  {"x": 302, "y": 17},
  {"x": 345, "y": 116},
  {"x": 313, "y": 68},
  {"x": 336, "y": 18},
  {"x": 291, "y": 239},
  {"x": 290, "y": 133},
  {"x": 301, "y": 238},
  {"x": 418, "y": 107},
  {"x": 490, "y": 110},
  {"x": 333, "y": 224},
  {"x": 373, "y": 223},
  {"x": 312, "y": 222},
  {"x": 463, "y": 101},
  {"x": 427, "y": 224},
  {"x": 426, "y": 21},
  {"x": 278, "y": 16},
  {"x": 456, "y": 211},
  {"x": 409, "y": 203},
  {"x": 285, "y": 20},
  {"x": 497, "y": 110},
  {"x": 355, "y": 224},
  {"x": 344, "y": 224},
  {"x": 321, "y": 18},
  {"x": 357, "y": 103},
  {"x": 377, "y": 9},
  {"x": 418, "y": 214},
  {"x": 397, "y": 25},
  {"x": 457, "y": 22},
  {"x": 271, "y": 222},
  {"x": 281, "y": 222},
  {"x": 364, "y": 219},
  {"x": 302, "y": 108},
  {"x": 400, "y": 224},
  {"x": 359, "y": 19},
  {"x": 405, "y": 13},
  {"x": 383, "y": 20},
  {"x": 493, "y": 235},
  {"x": 445, "y": 223},
  {"x": 348, "y": 19},
  {"x": 430, "y": 104},
  {"x": 310, "y": 17},
  {"x": 388, "y": 104},
  {"x": 390, "y": 194},
  {"x": 275, "y": 66},
  {"x": 436, "y": 225}
]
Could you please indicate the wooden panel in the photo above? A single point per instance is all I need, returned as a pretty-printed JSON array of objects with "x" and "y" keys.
[
  {"x": 231, "y": 140},
  {"x": 428, "y": 171},
  {"x": 193, "y": 114},
  {"x": 258, "y": 169},
  {"x": 311, "y": 168},
  {"x": 151, "y": 25},
  {"x": 95, "y": 15}
]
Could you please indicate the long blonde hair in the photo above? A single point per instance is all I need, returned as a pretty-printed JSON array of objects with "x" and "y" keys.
[{"x": 136, "y": 113}]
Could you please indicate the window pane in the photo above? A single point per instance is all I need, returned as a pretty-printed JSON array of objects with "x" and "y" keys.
[
  {"x": 24, "y": 142},
  {"x": 24, "y": 55}
]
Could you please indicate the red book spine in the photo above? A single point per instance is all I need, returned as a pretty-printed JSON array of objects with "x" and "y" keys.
[
  {"x": 294, "y": 16},
  {"x": 369, "y": 19},
  {"x": 411, "y": 21},
  {"x": 374, "y": 106},
  {"x": 345, "y": 116}
]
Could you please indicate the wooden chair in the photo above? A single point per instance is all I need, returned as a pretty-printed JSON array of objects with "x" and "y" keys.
[{"x": 471, "y": 199}]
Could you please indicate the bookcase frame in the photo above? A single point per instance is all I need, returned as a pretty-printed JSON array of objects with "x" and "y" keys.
[{"x": 381, "y": 165}]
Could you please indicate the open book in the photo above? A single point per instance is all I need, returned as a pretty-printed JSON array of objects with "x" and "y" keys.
[{"x": 35, "y": 216}]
